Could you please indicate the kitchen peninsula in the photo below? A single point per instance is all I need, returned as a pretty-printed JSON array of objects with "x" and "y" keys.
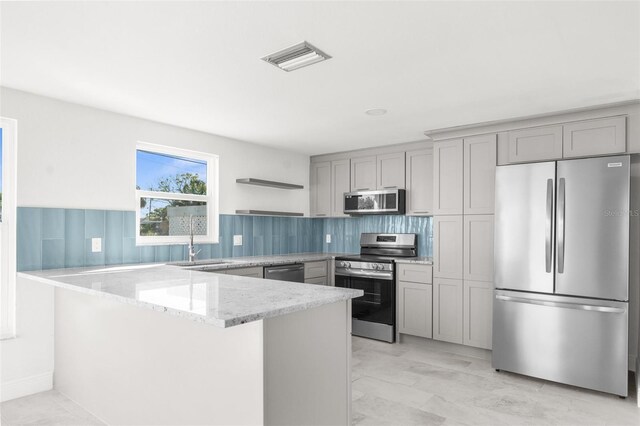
[{"x": 159, "y": 344}]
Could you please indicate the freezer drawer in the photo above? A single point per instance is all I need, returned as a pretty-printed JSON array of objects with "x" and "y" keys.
[{"x": 581, "y": 342}]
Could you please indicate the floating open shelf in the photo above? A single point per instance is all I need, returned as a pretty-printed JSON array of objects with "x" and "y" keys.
[
  {"x": 268, "y": 213},
  {"x": 269, "y": 183}
]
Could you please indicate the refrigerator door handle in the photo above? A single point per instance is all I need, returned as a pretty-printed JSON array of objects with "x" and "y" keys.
[
  {"x": 607, "y": 309},
  {"x": 549, "y": 225},
  {"x": 561, "y": 225}
]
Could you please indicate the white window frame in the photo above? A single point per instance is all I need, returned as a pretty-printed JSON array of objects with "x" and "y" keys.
[
  {"x": 8, "y": 228},
  {"x": 211, "y": 198}
]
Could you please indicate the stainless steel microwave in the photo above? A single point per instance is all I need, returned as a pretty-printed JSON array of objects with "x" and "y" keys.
[{"x": 384, "y": 201}]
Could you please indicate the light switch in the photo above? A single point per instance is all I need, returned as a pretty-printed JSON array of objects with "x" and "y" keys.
[
  {"x": 327, "y": 238},
  {"x": 96, "y": 245},
  {"x": 237, "y": 240}
]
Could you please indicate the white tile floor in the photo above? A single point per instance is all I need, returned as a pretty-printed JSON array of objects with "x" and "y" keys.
[
  {"x": 413, "y": 383},
  {"x": 46, "y": 408}
]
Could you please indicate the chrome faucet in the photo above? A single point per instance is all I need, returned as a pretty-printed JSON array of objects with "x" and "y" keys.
[{"x": 192, "y": 249}]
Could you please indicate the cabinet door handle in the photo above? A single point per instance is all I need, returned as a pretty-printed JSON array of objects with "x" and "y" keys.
[
  {"x": 420, "y": 211},
  {"x": 320, "y": 214},
  {"x": 389, "y": 187},
  {"x": 361, "y": 189}
]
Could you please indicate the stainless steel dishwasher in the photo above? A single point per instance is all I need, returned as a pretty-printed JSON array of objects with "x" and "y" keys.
[{"x": 291, "y": 272}]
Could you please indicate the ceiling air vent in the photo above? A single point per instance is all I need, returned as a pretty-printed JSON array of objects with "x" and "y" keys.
[{"x": 297, "y": 56}]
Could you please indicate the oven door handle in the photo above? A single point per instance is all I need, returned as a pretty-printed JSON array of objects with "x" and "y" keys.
[{"x": 366, "y": 274}]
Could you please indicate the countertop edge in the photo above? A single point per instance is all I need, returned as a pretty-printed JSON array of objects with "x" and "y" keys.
[
  {"x": 221, "y": 323},
  {"x": 237, "y": 262}
]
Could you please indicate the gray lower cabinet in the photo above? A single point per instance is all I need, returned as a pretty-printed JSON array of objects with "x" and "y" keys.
[
  {"x": 415, "y": 300},
  {"x": 419, "y": 182},
  {"x": 415, "y": 314},
  {"x": 316, "y": 272},
  {"x": 595, "y": 137},
  {"x": 447, "y": 310},
  {"x": 535, "y": 144},
  {"x": 317, "y": 281},
  {"x": 254, "y": 272},
  {"x": 320, "y": 189},
  {"x": 478, "y": 313}
]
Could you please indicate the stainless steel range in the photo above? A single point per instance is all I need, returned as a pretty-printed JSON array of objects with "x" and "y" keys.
[{"x": 374, "y": 314}]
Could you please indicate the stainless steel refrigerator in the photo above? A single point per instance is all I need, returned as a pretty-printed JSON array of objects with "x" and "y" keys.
[{"x": 562, "y": 271}]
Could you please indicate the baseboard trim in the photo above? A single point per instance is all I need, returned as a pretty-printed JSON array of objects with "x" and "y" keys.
[{"x": 26, "y": 386}]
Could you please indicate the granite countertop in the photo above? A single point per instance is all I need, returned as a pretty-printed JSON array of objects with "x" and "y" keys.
[
  {"x": 217, "y": 299},
  {"x": 424, "y": 260},
  {"x": 249, "y": 261}
]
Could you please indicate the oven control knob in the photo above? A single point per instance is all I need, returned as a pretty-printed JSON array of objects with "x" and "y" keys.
[
  {"x": 345, "y": 264},
  {"x": 377, "y": 266}
]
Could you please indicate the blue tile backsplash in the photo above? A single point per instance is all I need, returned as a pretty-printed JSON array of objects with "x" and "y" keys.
[{"x": 61, "y": 238}]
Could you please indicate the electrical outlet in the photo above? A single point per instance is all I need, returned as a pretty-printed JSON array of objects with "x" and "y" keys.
[
  {"x": 327, "y": 238},
  {"x": 237, "y": 240},
  {"x": 96, "y": 245}
]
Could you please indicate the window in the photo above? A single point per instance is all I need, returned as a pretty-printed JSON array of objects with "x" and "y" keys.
[
  {"x": 176, "y": 194},
  {"x": 8, "y": 135}
]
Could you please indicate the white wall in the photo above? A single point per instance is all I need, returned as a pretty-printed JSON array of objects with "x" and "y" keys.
[
  {"x": 27, "y": 360},
  {"x": 74, "y": 156}
]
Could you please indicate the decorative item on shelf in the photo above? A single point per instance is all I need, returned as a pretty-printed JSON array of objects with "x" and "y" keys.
[
  {"x": 268, "y": 213},
  {"x": 269, "y": 183}
]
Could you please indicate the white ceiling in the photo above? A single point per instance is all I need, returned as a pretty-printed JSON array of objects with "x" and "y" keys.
[{"x": 431, "y": 64}]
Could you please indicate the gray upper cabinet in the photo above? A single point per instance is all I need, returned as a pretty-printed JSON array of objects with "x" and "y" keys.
[
  {"x": 535, "y": 144},
  {"x": 419, "y": 180},
  {"x": 447, "y": 177},
  {"x": 364, "y": 173},
  {"x": 340, "y": 183},
  {"x": 320, "y": 190},
  {"x": 479, "y": 174},
  {"x": 391, "y": 170},
  {"x": 378, "y": 172},
  {"x": 595, "y": 137},
  {"x": 600, "y": 136}
]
